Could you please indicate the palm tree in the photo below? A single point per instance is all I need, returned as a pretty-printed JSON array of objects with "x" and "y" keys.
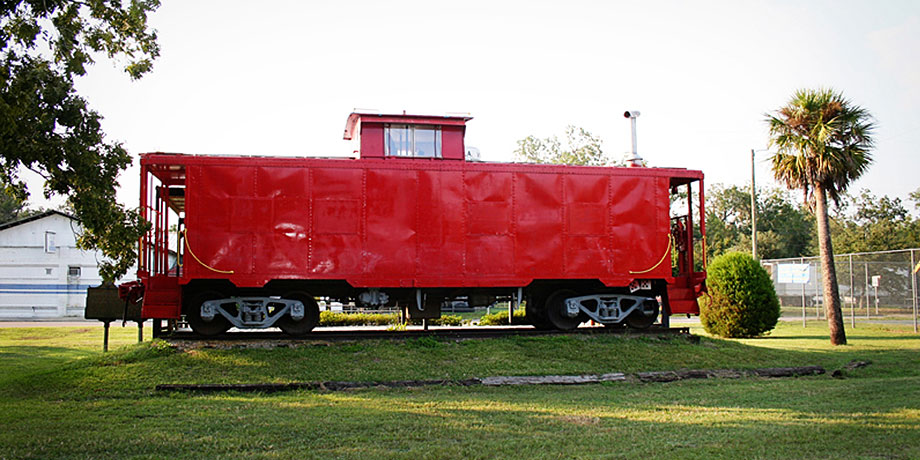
[{"x": 823, "y": 143}]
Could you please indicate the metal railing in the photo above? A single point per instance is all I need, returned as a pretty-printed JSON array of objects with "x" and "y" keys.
[{"x": 874, "y": 286}]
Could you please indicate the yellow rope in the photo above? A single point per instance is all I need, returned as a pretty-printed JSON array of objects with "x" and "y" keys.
[
  {"x": 917, "y": 268},
  {"x": 703, "y": 247},
  {"x": 667, "y": 253},
  {"x": 189, "y": 248}
]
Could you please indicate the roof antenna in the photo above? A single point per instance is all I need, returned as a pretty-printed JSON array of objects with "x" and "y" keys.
[{"x": 636, "y": 160}]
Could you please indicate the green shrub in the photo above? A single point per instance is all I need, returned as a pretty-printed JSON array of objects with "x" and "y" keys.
[
  {"x": 500, "y": 318},
  {"x": 449, "y": 320},
  {"x": 445, "y": 320},
  {"x": 741, "y": 301},
  {"x": 330, "y": 318}
]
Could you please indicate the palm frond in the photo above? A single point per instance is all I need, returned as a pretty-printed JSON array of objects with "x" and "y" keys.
[{"x": 821, "y": 139}]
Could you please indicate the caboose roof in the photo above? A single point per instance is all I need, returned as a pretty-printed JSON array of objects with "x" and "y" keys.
[{"x": 355, "y": 117}]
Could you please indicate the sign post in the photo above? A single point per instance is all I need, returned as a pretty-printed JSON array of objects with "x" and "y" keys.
[{"x": 876, "y": 282}]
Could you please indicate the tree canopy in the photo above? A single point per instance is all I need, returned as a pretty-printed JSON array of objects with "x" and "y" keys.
[
  {"x": 823, "y": 141},
  {"x": 12, "y": 205},
  {"x": 915, "y": 197},
  {"x": 784, "y": 229},
  {"x": 47, "y": 127},
  {"x": 579, "y": 147}
]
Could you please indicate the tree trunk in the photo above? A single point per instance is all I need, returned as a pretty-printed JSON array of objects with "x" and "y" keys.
[{"x": 831, "y": 292}]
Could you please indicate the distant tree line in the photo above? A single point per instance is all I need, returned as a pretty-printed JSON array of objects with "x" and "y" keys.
[{"x": 786, "y": 228}]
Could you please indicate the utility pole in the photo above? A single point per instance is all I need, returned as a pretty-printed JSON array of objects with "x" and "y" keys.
[{"x": 753, "y": 210}]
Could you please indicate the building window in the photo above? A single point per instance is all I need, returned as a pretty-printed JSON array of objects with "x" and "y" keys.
[
  {"x": 49, "y": 242},
  {"x": 413, "y": 141},
  {"x": 73, "y": 271}
]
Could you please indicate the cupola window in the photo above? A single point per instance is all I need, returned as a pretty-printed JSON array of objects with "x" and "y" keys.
[{"x": 412, "y": 141}]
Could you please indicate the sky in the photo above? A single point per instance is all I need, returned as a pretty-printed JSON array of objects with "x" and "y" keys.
[{"x": 280, "y": 78}]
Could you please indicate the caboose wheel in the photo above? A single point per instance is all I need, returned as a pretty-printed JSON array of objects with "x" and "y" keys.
[
  {"x": 555, "y": 311},
  {"x": 310, "y": 315},
  {"x": 643, "y": 318},
  {"x": 218, "y": 325}
]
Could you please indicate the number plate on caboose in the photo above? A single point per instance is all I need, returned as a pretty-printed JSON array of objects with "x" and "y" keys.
[{"x": 637, "y": 285}]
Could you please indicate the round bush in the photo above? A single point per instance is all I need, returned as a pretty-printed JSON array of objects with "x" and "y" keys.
[{"x": 741, "y": 300}]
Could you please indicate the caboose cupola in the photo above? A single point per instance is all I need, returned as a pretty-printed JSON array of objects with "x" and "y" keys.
[{"x": 407, "y": 136}]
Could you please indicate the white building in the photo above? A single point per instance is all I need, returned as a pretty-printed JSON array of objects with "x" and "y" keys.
[{"x": 42, "y": 273}]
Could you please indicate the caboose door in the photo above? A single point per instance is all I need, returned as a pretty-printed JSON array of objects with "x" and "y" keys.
[{"x": 689, "y": 273}]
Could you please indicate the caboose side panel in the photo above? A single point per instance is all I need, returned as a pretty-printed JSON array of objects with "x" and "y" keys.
[
  {"x": 441, "y": 231},
  {"x": 489, "y": 238},
  {"x": 638, "y": 228},
  {"x": 282, "y": 240},
  {"x": 389, "y": 253},
  {"x": 336, "y": 207},
  {"x": 538, "y": 224},
  {"x": 221, "y": 217},
  {"x": 587, "y": 241},
  {"x": 423, "y": 226}
]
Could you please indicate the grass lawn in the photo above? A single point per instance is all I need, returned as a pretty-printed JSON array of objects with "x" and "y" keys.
[{"x": 62, "y": 398}]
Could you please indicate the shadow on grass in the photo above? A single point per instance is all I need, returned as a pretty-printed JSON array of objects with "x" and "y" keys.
[{"x": 20, "y": 359}]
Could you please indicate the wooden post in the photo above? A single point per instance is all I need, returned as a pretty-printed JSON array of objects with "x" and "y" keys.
[{"x": 105, "y": 336}]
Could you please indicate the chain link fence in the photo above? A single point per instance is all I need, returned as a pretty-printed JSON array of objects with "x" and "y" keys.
[{"x": 874, "y": 286}]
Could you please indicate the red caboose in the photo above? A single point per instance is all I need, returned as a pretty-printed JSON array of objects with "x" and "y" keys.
[{"x": 412, "y": 223}]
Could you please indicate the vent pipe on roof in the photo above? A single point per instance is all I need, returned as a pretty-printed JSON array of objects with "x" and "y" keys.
[{"x": 636, "y": 160}]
